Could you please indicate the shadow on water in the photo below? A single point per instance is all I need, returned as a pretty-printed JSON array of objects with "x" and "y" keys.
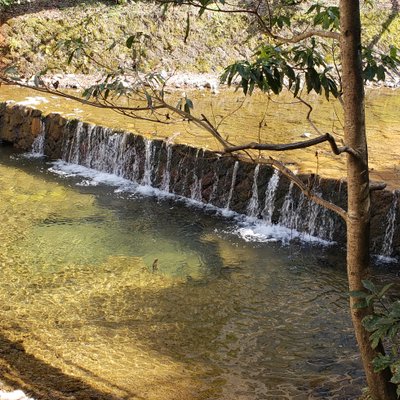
[{"x": 43, "y": 381}]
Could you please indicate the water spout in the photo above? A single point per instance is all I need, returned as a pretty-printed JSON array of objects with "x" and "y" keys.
[
  {"x": 167, "y": 174},
  {"x": 148, "y": 163},
  {"x": 38, "y": 143},
  {"x": 196, "y": 187},
  {"x": 270, "y": 193},
  {"x": 233, "y": 182},
  {"x": 253, "y": 206},
  {"x": 286, "y": 215}
]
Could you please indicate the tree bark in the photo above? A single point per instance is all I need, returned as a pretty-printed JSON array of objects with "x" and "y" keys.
[{"x": 358, "y": 219}]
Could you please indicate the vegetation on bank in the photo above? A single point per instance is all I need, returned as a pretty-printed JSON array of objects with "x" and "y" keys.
[
  {"x": 32, "y": 38},
  {"x": 213, "y": 41}
]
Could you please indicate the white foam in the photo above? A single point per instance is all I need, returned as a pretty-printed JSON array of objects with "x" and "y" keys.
[
  {"x": 33, "y": 101},
  {"x": 32, "y": 155},
  {"x": 15, "y": 395},
  {"x": 93, "y": 177},
  {"x": 385, "y": 260},
  {"x": 255, "y": 230},
  {"x": 248, "y": 228}
]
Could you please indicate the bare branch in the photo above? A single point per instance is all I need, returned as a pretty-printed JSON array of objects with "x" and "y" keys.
[
  {"x": 266, "y": 29},
  {"x": 293, "y": 146},
  {"x": 308, "y": 34},
  {"x": 377, "y": 186},
  {"x": 307, "y": 190},
  {"x": 48, "y": 90}
]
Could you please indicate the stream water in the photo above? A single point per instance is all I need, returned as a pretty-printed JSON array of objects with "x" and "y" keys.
[
  {"x": 252, "y": 118},
  {"x": 218, "y": 318}
]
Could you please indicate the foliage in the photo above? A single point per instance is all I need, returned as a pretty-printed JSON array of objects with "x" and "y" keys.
[
  {"x": 276, "y": 67},
  {"x": 34, "y": 41},
  {"x": 383, "y": 324},
  {"x": 5, "y": 3},
  {"x": 283, "y": 64}
]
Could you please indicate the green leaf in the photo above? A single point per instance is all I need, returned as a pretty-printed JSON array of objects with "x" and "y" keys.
[
  {"x": 369, "y": 285},
  {"x": 130, "y": 41},
  {"x": 385, "y": 289},
  {"x": 380, "y": 73},
  {"x": 381, "y": 362},
  {"x": 396, "y": 375},
  {"x": 71, "y": 56},
  {"x": 360, "y": 304},
  {"x": 149, "y": 100},
  {"x": 358, "y": 294},
  {"x": 189, "y": 103}
]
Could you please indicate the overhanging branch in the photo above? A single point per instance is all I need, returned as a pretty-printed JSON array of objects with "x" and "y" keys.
[
  {"x": 307, "y": 190},
  {"x": 293, "y": 146}
]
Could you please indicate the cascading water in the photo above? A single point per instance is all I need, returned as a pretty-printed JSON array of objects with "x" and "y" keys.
[
  {"x": 138, "y": 160},
  {"x": 38, "y": 143},
  {"x": 232, "y": 188},
  {"x": 73, "y": 155},
  {"x": 214, "y": 188},
  {"x": 167, "y": 173},
  {"x": 387, "y": 248},
  {"x": 148, "y": 163},
  {"x": 286, "y": 217},
  {"x": 253, "y": 206},
  {"x": 270, "y": 193},
  {"x": 196, "y": 187}
]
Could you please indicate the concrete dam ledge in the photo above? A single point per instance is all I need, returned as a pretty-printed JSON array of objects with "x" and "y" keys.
[{"x": 258, "y": 190}]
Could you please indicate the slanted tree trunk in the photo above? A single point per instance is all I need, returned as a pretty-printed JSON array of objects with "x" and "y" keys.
[{"x": 358, "y": 222}]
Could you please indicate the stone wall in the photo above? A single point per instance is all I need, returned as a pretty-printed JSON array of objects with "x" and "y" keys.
[{"x": 198, "y": 174}]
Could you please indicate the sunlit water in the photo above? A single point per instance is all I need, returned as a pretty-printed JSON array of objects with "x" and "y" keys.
[
  {"x": 220, "y": 318},
  {"x": 256, "y": 118}
]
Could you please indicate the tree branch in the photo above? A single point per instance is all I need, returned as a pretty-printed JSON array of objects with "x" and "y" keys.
[
  {"x": 293, "y": 146},
  {"x": 307, "y": 190}
]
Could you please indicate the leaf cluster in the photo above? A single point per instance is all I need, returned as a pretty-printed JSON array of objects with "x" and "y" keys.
[
  {"x": 276, "y": 67},
  {"x": 383, "y": 324},
  {"x": 6, "y": 3},
  {"x": 377, "y": 65}
]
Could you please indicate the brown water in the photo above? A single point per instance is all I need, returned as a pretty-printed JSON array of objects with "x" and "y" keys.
[
  {"x": 282, "y": 122},
  {"x": 222, "y": 318}
]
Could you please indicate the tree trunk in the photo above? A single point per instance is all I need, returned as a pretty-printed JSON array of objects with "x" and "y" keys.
[{"x": 358, "y": 222}]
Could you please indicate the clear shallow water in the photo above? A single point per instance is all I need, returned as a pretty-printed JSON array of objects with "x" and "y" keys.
[{"x": 222, "y": 318}]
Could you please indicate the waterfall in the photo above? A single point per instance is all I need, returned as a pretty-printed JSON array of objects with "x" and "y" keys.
[
  {"x": 387, "y": 248},
  {"x": 214, "y": 188},
  {"x": 313, "y": 214},
  {"x": 166, "y": 179},
  {"x": 142, "y": 161},
  {"x": 196, "y": 187},
  {"x": 287, "y": 217},
  {"x": 253, "y": 207},
  {"x": 148, "y": 163},
  {"x": 74, "y": 149},
  {"x": 38, "y": 144},
  {"x": 233, "y": 181},
  {"x": 270, "y": 193}
]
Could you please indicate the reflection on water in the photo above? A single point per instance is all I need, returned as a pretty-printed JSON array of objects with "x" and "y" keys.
[{"x": 220, "y": 319}]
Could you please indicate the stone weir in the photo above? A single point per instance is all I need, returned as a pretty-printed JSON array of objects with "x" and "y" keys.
[{"x": 258, "y": 190}]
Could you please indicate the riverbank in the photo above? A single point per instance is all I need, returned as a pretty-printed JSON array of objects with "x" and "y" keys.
[{"x": 40, "y": 36}]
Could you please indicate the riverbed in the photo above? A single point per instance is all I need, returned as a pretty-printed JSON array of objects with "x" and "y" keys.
[{"x": 85, "y": 308}]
